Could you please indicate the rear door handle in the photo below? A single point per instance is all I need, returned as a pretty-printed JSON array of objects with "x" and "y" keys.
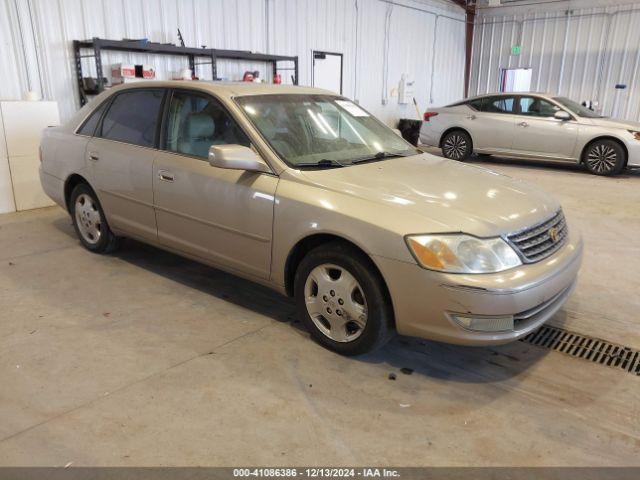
[
  {"x": 471, "y": 117},
  {"x": 523, "y": 124},
  {"x": 94, "y": 156},
  {"x": 165, "y": 176}
]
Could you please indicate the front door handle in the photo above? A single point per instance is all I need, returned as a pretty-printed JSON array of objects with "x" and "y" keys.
[
  {"x": 471, "y": 117},
  {"x": 165, "y": 176},
  {"x": 523, "y": 124},
  {"x": 94, "y": 156}
]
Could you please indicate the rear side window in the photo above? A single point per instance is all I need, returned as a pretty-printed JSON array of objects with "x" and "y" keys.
[
  {"x": 133, "y": 117},
  {"x": 91, "y": 123},
  {"x": 476, "y": 104},
  {"x": 498, "y": 104}
]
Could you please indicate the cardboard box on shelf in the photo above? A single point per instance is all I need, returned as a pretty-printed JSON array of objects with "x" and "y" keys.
[{"x": 121, "y": 73}]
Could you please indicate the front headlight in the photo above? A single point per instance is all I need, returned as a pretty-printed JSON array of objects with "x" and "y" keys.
[
  {"x": 635, "y": 134},
  {"x": 462, "y": 253}
]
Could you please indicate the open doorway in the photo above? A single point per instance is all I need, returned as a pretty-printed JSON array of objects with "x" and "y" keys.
[
  {"x": 515, "y": 79},
  {"x": 327, "y": 71}
]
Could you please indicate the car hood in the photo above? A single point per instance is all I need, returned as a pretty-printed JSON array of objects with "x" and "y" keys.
[
  {"x": 610, "y": 123},
  {"x": 440, "y": 195}
]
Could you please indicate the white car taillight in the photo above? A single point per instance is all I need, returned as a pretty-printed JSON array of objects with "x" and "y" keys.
[{"x": 428, "y": 115}]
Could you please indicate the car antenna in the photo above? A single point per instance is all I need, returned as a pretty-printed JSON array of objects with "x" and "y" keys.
[{"x": 180, "y": 38}]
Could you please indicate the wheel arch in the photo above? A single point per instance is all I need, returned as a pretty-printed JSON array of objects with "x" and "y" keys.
[
  {"x": 70, "y": 183},
  {"x": 308, "y": 243},
  {"x": 453, "y": 129},
  {"x": 604, "y": 137}
]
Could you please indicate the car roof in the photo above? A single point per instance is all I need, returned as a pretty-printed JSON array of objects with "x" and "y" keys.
[
  {"x": 227, "y": 89},
  {"x": 510, "y": 94}
]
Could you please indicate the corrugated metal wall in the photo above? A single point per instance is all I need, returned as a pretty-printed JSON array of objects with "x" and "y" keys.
[
  {"x": 424, "y": 39},
  {"x": 581, "y": 55}
]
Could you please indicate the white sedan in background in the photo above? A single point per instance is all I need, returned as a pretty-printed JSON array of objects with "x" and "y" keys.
[{"x": 533, "y": 126}]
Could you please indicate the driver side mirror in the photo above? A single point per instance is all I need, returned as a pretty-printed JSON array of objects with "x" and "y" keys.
[
  {"x": 237, "y": 157},
  {"x": 562, "y": 115}
]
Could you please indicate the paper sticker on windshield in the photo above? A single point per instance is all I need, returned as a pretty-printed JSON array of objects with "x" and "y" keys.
[{"x": 352, "y": 108}]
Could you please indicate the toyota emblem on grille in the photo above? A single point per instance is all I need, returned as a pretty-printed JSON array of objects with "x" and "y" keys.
[{"x": 553, "y": 234}]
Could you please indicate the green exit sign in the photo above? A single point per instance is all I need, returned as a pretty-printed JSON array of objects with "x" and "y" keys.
[{"x": 515, "y": 50}]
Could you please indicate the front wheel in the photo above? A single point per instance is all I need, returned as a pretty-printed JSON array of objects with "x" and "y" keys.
[
  {"x": 341, "y": 299},
  {"x": 605, "y": 157},
  {"x": 456, "y": 145}
]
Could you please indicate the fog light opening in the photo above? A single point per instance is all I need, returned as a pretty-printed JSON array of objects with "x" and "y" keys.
[{"x": 503, "y": 323}]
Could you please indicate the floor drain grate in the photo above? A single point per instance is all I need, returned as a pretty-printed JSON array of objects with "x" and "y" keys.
[{"x": 589, "y": 348}]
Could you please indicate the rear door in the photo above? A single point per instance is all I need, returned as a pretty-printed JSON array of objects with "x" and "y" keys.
[
  {"x": 218, "y": 214},
  {"x": 491, "y": 122},
  {"x": 120, "y": 160},
  {"x": 539, "y": 134}
]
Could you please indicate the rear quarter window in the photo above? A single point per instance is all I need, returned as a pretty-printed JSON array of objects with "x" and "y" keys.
[{"x": 88, "y": 128}]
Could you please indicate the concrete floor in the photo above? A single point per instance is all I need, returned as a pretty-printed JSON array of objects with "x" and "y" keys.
[{"x": 143, "y": 358}]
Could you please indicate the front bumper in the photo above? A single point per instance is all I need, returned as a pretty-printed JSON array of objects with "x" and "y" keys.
[{"x": 424, "y": 301}]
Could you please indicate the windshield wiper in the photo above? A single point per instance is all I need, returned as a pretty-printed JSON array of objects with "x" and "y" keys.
[
  {"x": 325, "y": 163},
  {"x": 377, "y": 156}
]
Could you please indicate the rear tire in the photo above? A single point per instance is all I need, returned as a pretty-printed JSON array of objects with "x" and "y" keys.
[
  {"x": 604, "y": 157},
  {"x": 342, "y": 301},
  {"x": 456, "y": 145},
  {"x": 89, "y": 221}
]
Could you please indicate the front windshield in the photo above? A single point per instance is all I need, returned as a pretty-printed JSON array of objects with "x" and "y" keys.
[
  {"x": 576, "y": 108},
  {"x": 317, "y": 130}
]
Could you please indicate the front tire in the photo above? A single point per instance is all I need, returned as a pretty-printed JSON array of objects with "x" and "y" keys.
[
  {"x": 456, "y": 145},
  {"x": 342, "y": 301},
  {"x": 89, "y": 221},
  {"x": 605, "y": 157}
]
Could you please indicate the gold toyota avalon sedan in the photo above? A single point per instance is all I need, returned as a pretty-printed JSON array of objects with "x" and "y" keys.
[{"x": 306, "y": 192}]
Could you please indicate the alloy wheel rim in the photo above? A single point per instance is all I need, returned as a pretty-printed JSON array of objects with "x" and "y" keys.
[
  {"x": 455, "y": 146},
  {"x": 88, "y": 219},
  {"x": 602, "y": 158},
  {"x": 336, "y": 303}
]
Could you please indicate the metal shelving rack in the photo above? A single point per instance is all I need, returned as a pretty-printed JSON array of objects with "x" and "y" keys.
[{"x": 210, "y": 56}]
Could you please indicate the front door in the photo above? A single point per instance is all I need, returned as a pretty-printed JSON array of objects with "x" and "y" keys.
[
  {"x": 539, "y": 134},
  {"x": 120, "y": 161},
  {"x": 218, "y": 214}
]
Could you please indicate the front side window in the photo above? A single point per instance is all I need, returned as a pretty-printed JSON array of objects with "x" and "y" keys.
[
  {"x": 133, "y": 117},
  {"x": 537, "y": 107},
  {"x": 196, "y": 122},
  {"x": 308, "y": 130}
]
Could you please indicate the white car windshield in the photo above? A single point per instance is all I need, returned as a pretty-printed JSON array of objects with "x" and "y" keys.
[
  {"x": 322, "y": 130},
  {"x": 576, "y": 108}
]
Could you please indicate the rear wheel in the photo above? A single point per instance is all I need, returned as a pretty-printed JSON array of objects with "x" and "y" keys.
[
  {"x": 456, "y": 145},
  {"x": 604, "y": 157},
  {"x": 89, "y": 221},
  {"x": 341, "y": 299}
]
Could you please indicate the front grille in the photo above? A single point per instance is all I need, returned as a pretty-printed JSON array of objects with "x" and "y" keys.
[{"x": 537, "y": 242}]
